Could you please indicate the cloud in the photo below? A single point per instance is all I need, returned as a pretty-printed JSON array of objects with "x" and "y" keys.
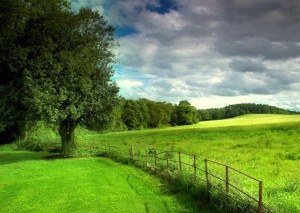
[
  {"x": 259, "y": 48},
  {"x": 217, "y": 101},
  {"x": 129, "y": 83},
  {"x": 225, "y": 51},
  {"x": 247, "y": 66}
]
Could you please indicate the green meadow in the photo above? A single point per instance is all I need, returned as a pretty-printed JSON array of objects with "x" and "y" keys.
[
  {"x": 264, "y": 146},
  {"x": 32, "y": 183}
]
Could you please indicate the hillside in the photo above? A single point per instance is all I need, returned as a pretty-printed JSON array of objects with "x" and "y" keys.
[{"x": 250, "y": 119}]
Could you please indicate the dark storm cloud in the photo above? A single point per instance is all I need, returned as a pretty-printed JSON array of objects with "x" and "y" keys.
[
  {"x": 247, "y": 66},
  {"x": 283, "y": 79},
  {"x": 259, "y": 47},
  {"x": 259, "y": 28}
]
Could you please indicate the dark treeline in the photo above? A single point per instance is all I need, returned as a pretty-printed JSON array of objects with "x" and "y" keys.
[
  {"x": 239, "y": 109},
  {"x": 144, "y": 113}
]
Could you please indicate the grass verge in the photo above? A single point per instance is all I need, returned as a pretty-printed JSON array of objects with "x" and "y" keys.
[{"x": 31, "y": 183}]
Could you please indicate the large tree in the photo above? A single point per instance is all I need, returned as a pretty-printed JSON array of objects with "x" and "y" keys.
[{"x": 69, "y": 65}]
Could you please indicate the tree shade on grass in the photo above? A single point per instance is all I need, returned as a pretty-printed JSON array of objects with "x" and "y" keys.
[{"x": 31, "y": 184}]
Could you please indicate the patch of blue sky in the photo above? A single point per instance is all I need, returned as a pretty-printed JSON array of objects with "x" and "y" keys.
[
  {"x": 124, "y": 31},
  {"x": 130, "y": 81},
  {"x": 165, "y": 6},
  {"x": 75, "y": 5},
  {"x": 122, "y": 73}
]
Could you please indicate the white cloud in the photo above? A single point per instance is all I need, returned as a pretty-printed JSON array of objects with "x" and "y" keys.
[{"x": 128, "y": 84}]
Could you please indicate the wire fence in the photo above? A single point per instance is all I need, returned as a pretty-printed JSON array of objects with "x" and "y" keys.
[{"x": 214, "y": 175}]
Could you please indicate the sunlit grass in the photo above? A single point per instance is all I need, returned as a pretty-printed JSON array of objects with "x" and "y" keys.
[
  {"x": 251, "y": 119},
  {"x": 30, "y": 183},
  {"x": 264, "y": 146}
]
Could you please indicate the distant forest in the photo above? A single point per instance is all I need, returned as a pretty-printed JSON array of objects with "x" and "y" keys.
[{"x": 144, "y": 113}]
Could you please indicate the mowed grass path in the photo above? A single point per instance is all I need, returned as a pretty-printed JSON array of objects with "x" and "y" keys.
[
  {"x": 29, "y": 183},
  {"x": 264, "y": 146}
]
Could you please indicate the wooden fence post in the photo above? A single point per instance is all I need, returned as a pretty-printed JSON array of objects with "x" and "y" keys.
[
  {"x": 139, "y": 163},
  {"x": 195, "y": 167},
  {"x": 179, "y": 159},
  {"x": 206, "y": 173},
  {"x": 167, "y": 160},
  {"x": 132, "y": 152},
  {"x": 146, "y": 158},
  {"x": 260, "y": 206},
  {"x": 155, "y": 159}
]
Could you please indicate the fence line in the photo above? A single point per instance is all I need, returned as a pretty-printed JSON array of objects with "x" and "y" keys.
[{"x": 152, "y": 159}]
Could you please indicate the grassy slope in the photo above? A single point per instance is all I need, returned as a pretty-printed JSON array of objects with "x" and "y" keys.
[
  {"x": 252, "y": 119},
  {"x": 29, "y": 183},
  {"x": 265, "y": 146}
]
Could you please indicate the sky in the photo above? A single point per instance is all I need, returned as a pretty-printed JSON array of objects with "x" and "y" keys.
[{"x": 212, "y": 53}]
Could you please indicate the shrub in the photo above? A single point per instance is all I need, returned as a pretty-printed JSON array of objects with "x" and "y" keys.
[{"x": 35, "y": 144}]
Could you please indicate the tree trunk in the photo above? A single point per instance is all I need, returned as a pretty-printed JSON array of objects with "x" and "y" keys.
[
  {"x": 22, "y": 129},
  {"x": 67, "y": 134}
]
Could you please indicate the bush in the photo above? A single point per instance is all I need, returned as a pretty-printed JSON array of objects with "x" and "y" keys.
[{"x": 36, "y": 144}]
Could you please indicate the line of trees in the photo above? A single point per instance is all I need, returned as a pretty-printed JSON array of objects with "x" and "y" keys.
[
  {"x": 143, "y": 113},
  {"x": 239, "y": 109}
]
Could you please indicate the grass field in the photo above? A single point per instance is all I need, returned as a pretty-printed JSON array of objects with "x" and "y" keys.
[
  {"x": 30, "y": 183},
  {"x": 264, "y": 146}
]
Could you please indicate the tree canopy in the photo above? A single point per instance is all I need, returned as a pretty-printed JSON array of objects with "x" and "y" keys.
[{"x": 58, "y": 67}]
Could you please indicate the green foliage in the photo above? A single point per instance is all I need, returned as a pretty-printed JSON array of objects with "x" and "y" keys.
[
  {"x": 184, "y": 114},
  {"x": 70, "y": 80},
  {"x": 56, "y": 66},
  {"x": 8, "y": 147},
  {"x": 42, "y": 137},
  {"x": 132, "y": 114},
  {"x": 20, "y": 42},
  {"x": 38, "y": 145},
  {"x": 143, "y": 113},
  {"x": 117, "y": 124}
]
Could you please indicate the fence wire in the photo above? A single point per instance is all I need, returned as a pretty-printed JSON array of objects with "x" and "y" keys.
[{"x": 215, "y": 179}]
